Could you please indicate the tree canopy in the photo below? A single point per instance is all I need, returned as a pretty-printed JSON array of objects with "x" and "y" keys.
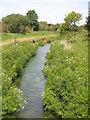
[
  {"x": 33, "y": 17},
  {"x": 71, "y": 21},
  {"x": 15, "y": 23}
]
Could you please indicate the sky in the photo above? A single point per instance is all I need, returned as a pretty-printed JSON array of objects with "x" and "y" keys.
[{"x": 52, "y": 11}]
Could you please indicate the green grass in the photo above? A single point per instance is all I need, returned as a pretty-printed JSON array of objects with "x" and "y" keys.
[
  {"x": 81, "y": 45},
  {"x": 66, "y": 92},
  {"x": 10, "y": 36}
]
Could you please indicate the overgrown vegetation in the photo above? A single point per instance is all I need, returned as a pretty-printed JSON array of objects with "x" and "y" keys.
[
  {"x": 14, "y": 59},
  {"x": 66, "y": 93}
]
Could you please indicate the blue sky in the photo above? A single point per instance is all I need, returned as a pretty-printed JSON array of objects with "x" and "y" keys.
[{"x": 52, "y": 11}]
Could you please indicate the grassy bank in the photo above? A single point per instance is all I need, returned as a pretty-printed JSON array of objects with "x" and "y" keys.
[
  {"x": 66, "y": 93},
  {"x": 11, "y": 36},
  {"x": 14, "y": 59}
]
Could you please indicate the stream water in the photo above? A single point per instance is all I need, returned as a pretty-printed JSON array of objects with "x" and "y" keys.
[{"x": 33, "y": 85}]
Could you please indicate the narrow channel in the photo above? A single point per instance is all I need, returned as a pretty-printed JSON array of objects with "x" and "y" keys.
[{"x": 33, "y": 85}]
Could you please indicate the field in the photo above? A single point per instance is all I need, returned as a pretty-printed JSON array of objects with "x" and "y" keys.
[
  {"x": 66, "y": 93},
  {"x": 11, "y": 36}
]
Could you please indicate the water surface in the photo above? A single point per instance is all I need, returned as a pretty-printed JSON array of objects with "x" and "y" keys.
[{"x": 33, "y": 85}]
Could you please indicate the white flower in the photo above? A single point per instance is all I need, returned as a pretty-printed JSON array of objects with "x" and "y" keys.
[
  {"x": 9, "y": 78},
  {"x": 22, "y": 107},
  {"x": 79, "y": 78},
  {"x": 20, "y": 91},
  {"x": 43, "y": 93}
]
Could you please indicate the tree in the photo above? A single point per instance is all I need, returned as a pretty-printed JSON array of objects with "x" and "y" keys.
[
  {"x": 63, "y": 28},
  {"x": 43, "y": 26},
  {"x": 33, "y": 17},
  {"x": 71, "y": 20},
  {"x": 15, "y": 23},
  {"x": 57, "y": 26}
]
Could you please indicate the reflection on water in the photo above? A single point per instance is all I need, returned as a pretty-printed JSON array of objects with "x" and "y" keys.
[{"x": 33, "y": 85}]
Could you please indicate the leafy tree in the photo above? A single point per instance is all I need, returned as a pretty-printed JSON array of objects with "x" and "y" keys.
[
  {"x": 57, "y": 26},
  {"x": 43, "y": 26},
  {"x": 15, "y": 23},
  {"x": 52, "y": 27},
  {"x": 62, "y": 28},
  {"x": 71, "y": 20},
  {"x": 33, "y": 17}
]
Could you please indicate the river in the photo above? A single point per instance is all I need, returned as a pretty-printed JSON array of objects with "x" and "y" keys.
[{"x": 33, "y": 85}]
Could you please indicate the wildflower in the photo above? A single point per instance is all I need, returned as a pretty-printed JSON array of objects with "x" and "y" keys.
[
  {"x": 43, "y": 93},
  {"x": 20, "y": 91},
  {"x": 79, "y": 78},
  {"x": 25, "y": 101},
  {"x": 9, "y": 78},
  {"x": 22, "y": 107}
]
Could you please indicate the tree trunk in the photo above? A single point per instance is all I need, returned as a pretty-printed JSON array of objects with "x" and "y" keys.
[
  {"x": 74, "y": 36},
  {"x": 74, "y": 32},
  {"x": 32, "y": 28},
  {"x": 15, "y": 40}
]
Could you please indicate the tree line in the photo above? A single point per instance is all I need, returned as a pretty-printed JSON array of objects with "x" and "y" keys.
[{"x": 16, "y": 23}]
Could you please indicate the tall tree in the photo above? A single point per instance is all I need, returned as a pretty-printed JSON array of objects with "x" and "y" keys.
[
  {"x": 33, "y": 17},
  {"x": 71, "y": 20},
  {"x": 15, "y": 23}
]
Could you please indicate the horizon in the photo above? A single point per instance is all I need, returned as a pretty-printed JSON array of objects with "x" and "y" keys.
[{"x": 51, "y": 11}]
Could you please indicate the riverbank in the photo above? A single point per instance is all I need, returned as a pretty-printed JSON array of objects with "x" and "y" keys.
[
  {"x": 14, "y": 59},
  {"x": 33, "y": 85},
  {"x": 66, "y": 93}
]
